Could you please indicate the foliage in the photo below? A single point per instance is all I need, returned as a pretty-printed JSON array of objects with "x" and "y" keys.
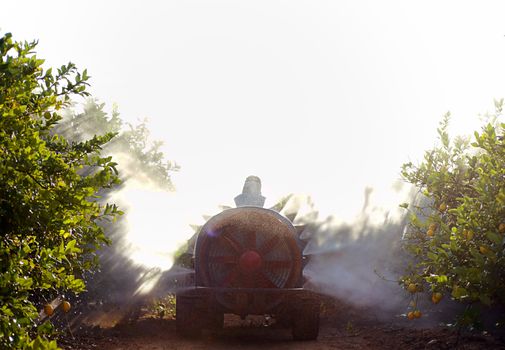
[
  {"x": 164, "y": 307},
  {"x": 456, "y": 232},
  {"x": 48, "y": 209}
]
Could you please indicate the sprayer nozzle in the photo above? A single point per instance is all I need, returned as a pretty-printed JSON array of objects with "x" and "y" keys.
[{"x": 251, "y": 193}]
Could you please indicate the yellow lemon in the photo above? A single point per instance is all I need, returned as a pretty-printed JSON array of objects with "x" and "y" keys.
[
  {"x": 412, "y": 288},
  {"x": 436, "y": 297},
  {"x": 66, "y": 306},
  {"x": 48, "y": 309}
]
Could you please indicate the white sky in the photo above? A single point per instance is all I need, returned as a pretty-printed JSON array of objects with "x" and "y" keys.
[{"x": 319, "y": 97}]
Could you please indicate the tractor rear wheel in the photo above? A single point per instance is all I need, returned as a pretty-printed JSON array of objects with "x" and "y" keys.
[
  {"x": 188, "y": 319},
  {"x": 215, "y": 320},
  {"x": 305, "y": 321}
]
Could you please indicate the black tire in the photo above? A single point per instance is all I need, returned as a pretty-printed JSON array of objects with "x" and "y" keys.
[
  {"x": 215, "y": 320},
  {"x": 188, "y": 319},
  {"x": 284, "y": 319},
  {"x": 305, "y": 322}
]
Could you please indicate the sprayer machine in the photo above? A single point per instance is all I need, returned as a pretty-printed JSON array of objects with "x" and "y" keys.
[{"x": 248, "y": 261}]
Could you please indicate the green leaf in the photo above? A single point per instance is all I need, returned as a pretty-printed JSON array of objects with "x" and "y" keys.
[
  {"x": 485, "y": 299},
  {"x": 493, "y": 237},
  {"x": 459, "y": 293},
  {"x": 442, "y": 279},
  {"x": 70, "y": 248},
  {"x": 432, "y": 256}
]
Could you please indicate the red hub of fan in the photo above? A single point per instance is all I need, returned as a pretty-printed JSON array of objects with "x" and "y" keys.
[{"x": 250, "y": 261}]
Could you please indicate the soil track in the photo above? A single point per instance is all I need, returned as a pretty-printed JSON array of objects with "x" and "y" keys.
[{"x": 340, "y": 329}]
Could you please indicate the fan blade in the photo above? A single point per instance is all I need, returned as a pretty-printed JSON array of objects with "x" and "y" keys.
[
  {"x": 231, "y": 277},
  {"x": 277, "y": 264},
  {"x": 223, "y": 259},
  {"x": 232, "y": 242},
  {"x": 269, "y": 245},
  {"x": 265, "y": 281},
  {"x": 251, "y": 240}
]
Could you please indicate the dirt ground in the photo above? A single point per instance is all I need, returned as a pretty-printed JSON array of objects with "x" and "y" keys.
[{"x": 341, "y": 328}]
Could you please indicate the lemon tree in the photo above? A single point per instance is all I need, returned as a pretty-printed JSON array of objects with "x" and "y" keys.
[
  {"x": 456, "y": 230},
  {"x": 49, "y": 212}
]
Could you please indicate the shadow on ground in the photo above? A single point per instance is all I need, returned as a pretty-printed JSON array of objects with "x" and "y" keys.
[{"x": 342, "y": 327}]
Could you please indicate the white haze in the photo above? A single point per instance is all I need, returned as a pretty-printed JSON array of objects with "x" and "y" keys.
[{"x": 357, "y": 260}]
